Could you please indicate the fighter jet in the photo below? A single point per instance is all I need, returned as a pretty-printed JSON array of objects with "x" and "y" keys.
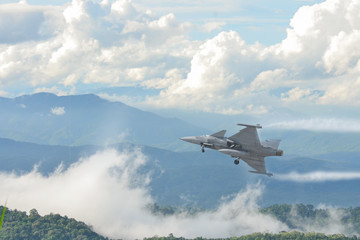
[{"x": 244, "y": 145}]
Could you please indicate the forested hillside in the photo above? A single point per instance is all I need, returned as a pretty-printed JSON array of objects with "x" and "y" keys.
[
  {"x": 18, "y": 225},
  {"x": 301, "y": 220},
  {"x": 269, "y": 236},
  {"x": 299, "y": 216}
]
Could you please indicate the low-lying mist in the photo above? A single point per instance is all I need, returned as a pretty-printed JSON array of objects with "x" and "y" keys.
[{"x": 107, "y": 192}]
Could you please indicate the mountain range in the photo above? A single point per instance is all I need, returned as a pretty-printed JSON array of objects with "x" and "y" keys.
[
  {"x": 196, "y": 179},
  {"x": 45, "y": 118},
  {"x": 46, "y": 130}
]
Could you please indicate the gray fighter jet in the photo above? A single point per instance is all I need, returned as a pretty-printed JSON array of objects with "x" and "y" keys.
[{"x": 244, "y": 145}]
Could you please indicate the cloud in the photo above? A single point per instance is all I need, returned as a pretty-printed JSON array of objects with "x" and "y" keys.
[
  {"x": 211, "y": 26},
  {"x": 330, "y": 225},
  {"x": 106, "y": 191},
  {"x": 55, "y": 90},
  {"x": 297, "y": 94},
  {"x": 227, "y": 73},
  {"x": 4, "y": 93},
  {"x": 111, "y": 42},
  {"x": 344, "y": 90},
  {"x": 219, "y": 68},
  {"x": 305, "y": 61},
  {"x": 318, "y": 176},
  {"x": 269, "y": 79},
  {"x": 320, "y": 124},
  {"x": 120, "y": 43},
  {"x": 22, "y": 22},
  {"x": 58, "y": 110}
]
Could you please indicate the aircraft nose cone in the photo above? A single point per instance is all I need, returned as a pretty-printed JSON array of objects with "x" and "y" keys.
[
  {"x": 190, "y": 140},
  {"x": 193, "y": 140},
  {"x": 186, "y": 139}
]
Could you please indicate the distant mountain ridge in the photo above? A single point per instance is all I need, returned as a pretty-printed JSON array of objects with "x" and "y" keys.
[
  {"x": 75, "y": 120},
  {"x": 31, "y": 225},
  {"x": 200, "y": 179},
  {"x": 45, "y": 118}
]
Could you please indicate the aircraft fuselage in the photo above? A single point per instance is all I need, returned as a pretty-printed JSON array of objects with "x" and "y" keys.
[{"x": 209, "y": 141}]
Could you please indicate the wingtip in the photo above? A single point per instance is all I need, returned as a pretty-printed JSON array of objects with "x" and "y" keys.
[{"x": 263, "y": 173}]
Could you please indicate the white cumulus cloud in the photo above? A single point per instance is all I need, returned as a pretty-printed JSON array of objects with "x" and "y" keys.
[
  {"x": 91, "y": 42},
  {"x": 309, "y": 66},
  {"x": 58, "y": 110},
  {"x": 120, "y": 43}
]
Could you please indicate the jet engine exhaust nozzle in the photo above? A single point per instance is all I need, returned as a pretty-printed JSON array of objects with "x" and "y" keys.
[{"x": 279, "y": 153}]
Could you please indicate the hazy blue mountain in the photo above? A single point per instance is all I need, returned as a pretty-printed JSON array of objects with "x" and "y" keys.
[
  {"x": 87, "y": 119},
  {"x": 308, "y": 143},
  {"x": 45, "y": 118},
  {"x": 23, "y": 156},
  {"x": 82, "y": 123},
  {"x": 201, "y": 179}
]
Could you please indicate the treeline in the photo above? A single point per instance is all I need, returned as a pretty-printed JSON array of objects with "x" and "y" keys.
[
  {"x": 297, "y": 216},
  {"x": 269, "y": 236},
  {"x": 18, "y": 225}
]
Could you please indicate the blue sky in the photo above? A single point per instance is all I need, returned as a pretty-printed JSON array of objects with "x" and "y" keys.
[{"x": 296, "y": 59}]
